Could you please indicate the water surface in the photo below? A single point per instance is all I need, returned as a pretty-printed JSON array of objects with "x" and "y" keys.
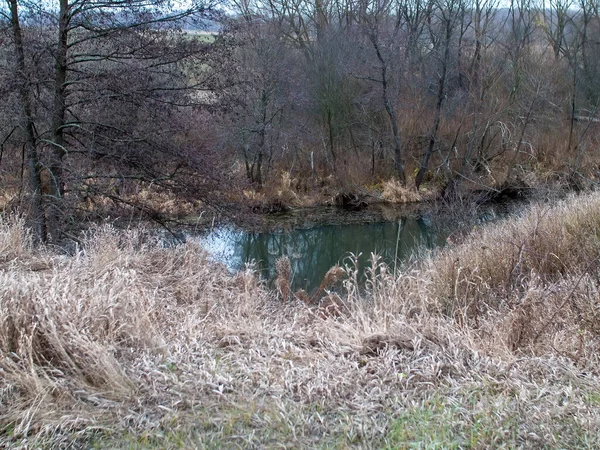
[{"x": 313, "y": 251}]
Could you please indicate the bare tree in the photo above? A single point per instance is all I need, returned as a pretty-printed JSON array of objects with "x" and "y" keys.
[
  {"x": 384, "y": 25},
  {"x": 27, "y": 124},
  {"x": 446, "y": 17},
  {"x": 254, "y": 93},
  {"x": 121, "y": 68},
  {"x": 557, "y": 16}
]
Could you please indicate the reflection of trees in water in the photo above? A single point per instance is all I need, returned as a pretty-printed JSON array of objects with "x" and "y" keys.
[{"x": 312, "y": 252}]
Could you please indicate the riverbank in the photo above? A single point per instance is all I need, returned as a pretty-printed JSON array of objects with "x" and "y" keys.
[
  {"x": 284, "y": 204},
  {"x": 493, "y": 342}
]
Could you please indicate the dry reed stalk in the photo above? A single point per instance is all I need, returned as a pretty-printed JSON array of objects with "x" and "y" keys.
[{"x": 283, "y": 277}]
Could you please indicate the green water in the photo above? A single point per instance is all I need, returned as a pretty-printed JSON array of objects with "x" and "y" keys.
[{"x": 313, "y": 251}]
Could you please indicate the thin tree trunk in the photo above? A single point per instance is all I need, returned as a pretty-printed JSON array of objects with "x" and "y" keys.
[
  {"x": 391, "y": 114},
  {"x": 438, "y": 108},
  {"x": 331, "y": 138},
  {"x": 479, "y": 36},
  {"x": 245, "y": 149},
  {"x": 320, "y": 20},
  {"x": 33, "y": 164},
  {"x": 262, "y": 138},
  {"x": 59, "y": 109}
]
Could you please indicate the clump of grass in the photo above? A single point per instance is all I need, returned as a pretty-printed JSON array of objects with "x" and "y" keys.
[
  {"x": 548, "y": 243},
  {"x": 395, "y": 192},
  {"x": 128, "y": 344},
  {"x": 286, "y": 192},
  {"x": 283, "y": 278},
  {"x": 15, "y": 240},
  {"x": 68, "y": 333},
  {"x": 8, "y": 196}
]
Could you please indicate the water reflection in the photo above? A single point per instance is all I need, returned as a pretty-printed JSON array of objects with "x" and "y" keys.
[{"x": 313, "y": 251}]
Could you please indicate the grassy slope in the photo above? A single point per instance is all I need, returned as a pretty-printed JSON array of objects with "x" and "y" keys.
[{"x": 493, "y": 343}]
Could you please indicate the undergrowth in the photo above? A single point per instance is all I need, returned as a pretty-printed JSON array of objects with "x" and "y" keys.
[{"x": 491, "y": 343}]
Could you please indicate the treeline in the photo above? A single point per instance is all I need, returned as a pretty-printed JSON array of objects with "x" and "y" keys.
[
  {"x": 454, "y": 90},
  {"x": 104, "y": 100}
]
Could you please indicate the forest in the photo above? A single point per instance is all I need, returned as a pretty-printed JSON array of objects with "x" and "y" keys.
[
  {"x": 123, "y": 122},
  {"x": 111, "y": 107}
]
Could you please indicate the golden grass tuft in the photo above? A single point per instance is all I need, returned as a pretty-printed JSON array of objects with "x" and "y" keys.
[
  {"x": 7, "y": 197},
  {"x": 394, "y": 192},
  {"x": 15, "y": 240}
]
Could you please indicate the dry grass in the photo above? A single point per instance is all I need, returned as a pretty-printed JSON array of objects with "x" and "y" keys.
[
  {"x": 395, "y": 192},
  {"x": 5, "y": 200},
  {"x": 536, "y": 276},
  {"x": 134, "y": 200},
  {"x": 492, "y": 343}
]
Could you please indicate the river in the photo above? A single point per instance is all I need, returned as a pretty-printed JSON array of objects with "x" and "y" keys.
[{"x": 313, "y": 248}]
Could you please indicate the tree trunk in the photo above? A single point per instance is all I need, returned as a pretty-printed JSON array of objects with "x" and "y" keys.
[
  {"x": 33, "y": 164},
  {"x": 57, "y": 184},
  {"x": 261, "y": 138},
  {"x": 391, "y": 114},
  {"x": 331, "y": 139},
  {"x": 320, "y": 20},
  {"x": 438, "y": 107}
]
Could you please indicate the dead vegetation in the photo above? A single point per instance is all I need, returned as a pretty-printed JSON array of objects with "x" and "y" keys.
[
  {"x": 326, "y": 303},
  {"x": 394, "y": 192},
  {"x": 126, "y": 344}
]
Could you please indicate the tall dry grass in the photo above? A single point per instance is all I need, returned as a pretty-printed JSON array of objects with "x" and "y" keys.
[
  {"x": 127, "y": 338},
  {"x": 69, "y": 330},
  {"x": 532, "y": 280}
]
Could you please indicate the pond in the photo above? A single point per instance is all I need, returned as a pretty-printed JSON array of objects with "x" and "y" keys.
[{"x": 314, "y": 249}]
